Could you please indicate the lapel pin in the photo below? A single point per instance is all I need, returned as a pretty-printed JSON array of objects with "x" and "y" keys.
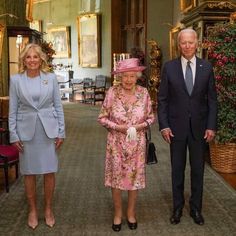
[
  {"x": 200, "y": 65},
  {"x": 45, "y": 81}
]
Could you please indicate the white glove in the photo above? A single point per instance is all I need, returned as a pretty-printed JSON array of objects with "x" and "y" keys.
[{"x": 131, "y": 134}]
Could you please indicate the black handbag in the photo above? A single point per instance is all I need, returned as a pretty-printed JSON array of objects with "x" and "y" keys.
[{"x": 151, "y": 157}]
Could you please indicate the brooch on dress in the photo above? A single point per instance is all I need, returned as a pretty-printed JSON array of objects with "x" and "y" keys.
[{"x": 45, "y": 81}]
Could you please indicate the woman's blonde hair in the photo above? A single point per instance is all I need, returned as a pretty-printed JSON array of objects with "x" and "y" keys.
[{"x": 44, "y": 65}]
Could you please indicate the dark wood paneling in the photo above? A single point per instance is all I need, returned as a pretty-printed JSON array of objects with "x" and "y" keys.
[
  {"x": 128, "y": 23},
  {"x": 116, "y": 39}
]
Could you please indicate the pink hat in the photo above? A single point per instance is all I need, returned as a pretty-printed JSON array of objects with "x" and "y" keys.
[{"x": 131, "y": 64}]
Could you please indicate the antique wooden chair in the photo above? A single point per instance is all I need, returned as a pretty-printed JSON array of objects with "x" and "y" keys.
[
  {"x": 87, "y": 90},
  {"x": 9, "y": 156},
  {"x": 98, "y": 90}
]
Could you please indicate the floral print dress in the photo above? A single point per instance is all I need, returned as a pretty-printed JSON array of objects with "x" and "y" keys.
[{"x": 125, "y": 160}]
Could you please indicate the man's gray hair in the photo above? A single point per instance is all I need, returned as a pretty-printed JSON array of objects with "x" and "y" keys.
[{"x": 187, "y": 30}]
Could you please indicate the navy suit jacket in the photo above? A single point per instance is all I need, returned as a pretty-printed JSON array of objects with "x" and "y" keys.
[
  {"x": 23, "y": 113},
  {"x": 176, "y": 108}
]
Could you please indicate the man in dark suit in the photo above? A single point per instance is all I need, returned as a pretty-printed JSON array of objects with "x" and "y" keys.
[{"x": 187, "y": 111}]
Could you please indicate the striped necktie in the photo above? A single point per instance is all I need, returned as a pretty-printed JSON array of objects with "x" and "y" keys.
[{"x": 189, "y": 78}]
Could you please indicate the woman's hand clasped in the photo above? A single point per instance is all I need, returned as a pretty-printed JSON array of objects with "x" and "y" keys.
[
  {"x": 124, "y": 128},
  {"x": 58, "y": 142},
  {"x": 121, "y": 128}
]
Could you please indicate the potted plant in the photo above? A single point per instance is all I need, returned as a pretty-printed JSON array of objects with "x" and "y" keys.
[{"x": 221, "y": 43}]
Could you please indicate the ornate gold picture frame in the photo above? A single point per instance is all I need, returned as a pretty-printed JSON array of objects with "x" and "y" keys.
[
  {"x": 89, "y": 40},
  {"x": 186, "y": 5},
  {"x": 2, "y": 29},
  {"x": 29, "y": 10},
  {"x": 36, "y": 25},
  {"x": 60, "y": 38},
  {"x": 173, "y": 42}
]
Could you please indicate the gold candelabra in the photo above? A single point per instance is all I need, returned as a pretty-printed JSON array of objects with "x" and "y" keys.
[{"x": 155, "y": 56}]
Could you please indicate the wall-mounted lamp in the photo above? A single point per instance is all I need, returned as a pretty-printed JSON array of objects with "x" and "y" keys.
[{"x": 19, "y": 41}]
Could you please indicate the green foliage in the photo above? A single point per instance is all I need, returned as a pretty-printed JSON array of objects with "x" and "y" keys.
[{"x": 221, "y": 45}]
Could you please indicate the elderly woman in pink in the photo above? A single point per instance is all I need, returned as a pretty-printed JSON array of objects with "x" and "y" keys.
[{"x": 126, "y": 112}]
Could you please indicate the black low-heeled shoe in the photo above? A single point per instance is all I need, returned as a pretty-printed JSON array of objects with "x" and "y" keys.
[
  {"x": 116, "y": 228},
  {"x": 132, "y": 226}
]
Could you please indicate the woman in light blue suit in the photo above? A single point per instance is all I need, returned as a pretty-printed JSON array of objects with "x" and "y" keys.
[{"x": 36, "y": 124}]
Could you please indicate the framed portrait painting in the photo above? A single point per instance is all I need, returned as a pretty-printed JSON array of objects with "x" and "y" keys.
[
  {"x": 89, "y": 40},
  {"x": 60, "y": 39}
]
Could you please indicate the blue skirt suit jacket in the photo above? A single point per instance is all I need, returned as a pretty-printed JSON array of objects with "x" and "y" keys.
[{"x": 23, "y": 113}]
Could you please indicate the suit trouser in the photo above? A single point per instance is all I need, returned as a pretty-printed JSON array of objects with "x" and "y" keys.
[{"x": 178, "y": 149}]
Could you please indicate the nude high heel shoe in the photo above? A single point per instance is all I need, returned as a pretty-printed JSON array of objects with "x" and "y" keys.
[
  {"x": 32, "y": 221},
  {"x": 50, "y": 220}
]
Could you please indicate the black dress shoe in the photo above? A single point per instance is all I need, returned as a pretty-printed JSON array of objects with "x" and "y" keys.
[
  {"x": 132, "y": 226},
  {"x": 175, "y": 218},
  {"x": 197, "y": 217},
  {"x": 116, "y": 228}
]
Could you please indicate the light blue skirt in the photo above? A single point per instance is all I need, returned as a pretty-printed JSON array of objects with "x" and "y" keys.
[{"x": 39, "y": 156}]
